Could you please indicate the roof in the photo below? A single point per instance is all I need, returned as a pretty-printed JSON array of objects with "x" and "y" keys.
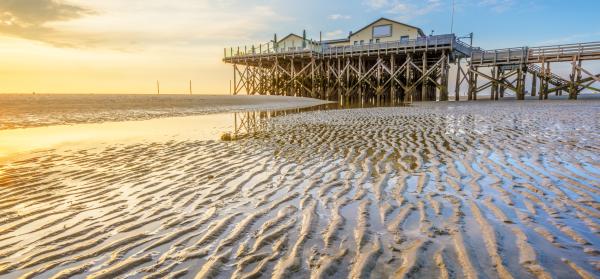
[
  {"x": 336, "y": 41},
  {"x": 397, "y": 22},
  {"x": 290, "y": 35}
]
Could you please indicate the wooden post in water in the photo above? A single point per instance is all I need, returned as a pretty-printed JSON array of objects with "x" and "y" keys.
[
  {"x": 157, "y": 87},
  {"x": 190, "y": 87}
]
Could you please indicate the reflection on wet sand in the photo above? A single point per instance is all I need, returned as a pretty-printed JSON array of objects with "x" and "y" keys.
[
  {"x": 251, "y": 123},
  {"x": 433, "y": 190}
]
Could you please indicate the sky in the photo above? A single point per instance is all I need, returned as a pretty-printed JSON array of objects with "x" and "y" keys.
[{"x": 116, "y": 46}]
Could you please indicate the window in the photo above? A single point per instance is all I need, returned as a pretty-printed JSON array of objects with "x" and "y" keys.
[
  {"x": 382, "y": 31},
  {"x": 362, "y": 42},
  {"x": 355, "y": 43},
  {"x": 370, "y": 41},
  {"x": 404, "y": 39},
  {"x": 377, "y": 41}
]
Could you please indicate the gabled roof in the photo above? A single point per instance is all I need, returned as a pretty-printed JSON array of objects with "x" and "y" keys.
[
  {"x": 290, "y": 35},
  {"x": 310, "y": 41},
  {"x": 397, "y": 22}
]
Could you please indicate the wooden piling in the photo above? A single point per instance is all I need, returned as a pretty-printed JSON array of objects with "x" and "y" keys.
[
  {"x": 424, "y": 83},
  {"x": 533, "y": 84},
  {"x": 458, "y": 81}
]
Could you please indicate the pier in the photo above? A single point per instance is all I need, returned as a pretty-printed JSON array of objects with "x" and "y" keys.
[
  {"x": 404, "y": 70},
  {"x": 510, "y": 67}
]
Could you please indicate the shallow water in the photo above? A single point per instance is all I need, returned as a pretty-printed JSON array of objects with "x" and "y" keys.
[
  {"x": 434, "y": 190},
  {"x": 202, "y": 127}
]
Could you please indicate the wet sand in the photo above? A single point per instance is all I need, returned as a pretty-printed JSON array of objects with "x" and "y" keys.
[
  {"x": 28, "y": 110},
  {"x": 444, "y": 190}
]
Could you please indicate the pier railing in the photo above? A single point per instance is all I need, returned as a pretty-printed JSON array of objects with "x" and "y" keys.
[
  {"x": 525, "y": 55},
  {"x": 436, "y": 42}
]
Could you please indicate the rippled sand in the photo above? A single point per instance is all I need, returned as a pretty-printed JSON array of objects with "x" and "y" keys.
[{"x": 446, "y": 190}]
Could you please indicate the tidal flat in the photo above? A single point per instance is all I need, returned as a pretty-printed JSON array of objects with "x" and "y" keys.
[{"x": 482, "y": 189}]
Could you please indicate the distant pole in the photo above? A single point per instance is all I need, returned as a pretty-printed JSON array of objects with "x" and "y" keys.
[
  {"x": 190, "y": 87},
  {"x": 229, "y": 87},
  {"x": 452, "y": 21},
  {"x": 157, "y": 87}
]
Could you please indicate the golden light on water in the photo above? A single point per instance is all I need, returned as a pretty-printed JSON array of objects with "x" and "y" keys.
[{"x": 201, "y": 127}]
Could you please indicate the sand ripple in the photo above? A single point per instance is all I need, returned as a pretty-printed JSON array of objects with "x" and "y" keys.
[{"x": 502, "y": 190}]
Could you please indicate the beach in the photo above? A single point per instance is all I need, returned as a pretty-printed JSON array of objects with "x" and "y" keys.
[
  {"x": 36, "y": 110},
  {"x": 482, "y": 189}
]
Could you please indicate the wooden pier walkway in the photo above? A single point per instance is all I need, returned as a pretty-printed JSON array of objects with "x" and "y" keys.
[
  {"x": 400, "y": 71},
  {"x": 509, "y": 68},
  {"x": 410, "y": 70},
  {"x": 527, "y": 55}
]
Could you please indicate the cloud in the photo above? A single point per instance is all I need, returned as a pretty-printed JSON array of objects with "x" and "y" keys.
[
  {"x": 134, "y": 25},
  {"x": 38, "y": 12},
  {"x": 405, "y": 9},
  {"x": 497, "y": 5},
  {"x": 568, "y": 39},
  {"x": 32, "y": 19},
  {"x": 377, "y": 4},
  {"x": 338, "y": 16},
  {"x": 336, "y": 34}
]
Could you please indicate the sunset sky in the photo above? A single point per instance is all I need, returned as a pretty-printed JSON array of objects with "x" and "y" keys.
[{"x": 117, "y": 46}]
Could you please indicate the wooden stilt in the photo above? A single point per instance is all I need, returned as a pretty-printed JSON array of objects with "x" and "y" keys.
[
  {"x": 458, "y": 81},
  {"x": 548, "y": 72},
  {"x": 520, "y": 83},
  {"x": 494, "y": 84},
  {"x": 392, "y": 80},
  {"x": 573, "y": 77},
  {"x": 408, "y": 95},
  {"x": 502, "y": 81},
  {"x": 424, "y": 84},
  {"x": 533, "y": 84},
  {"x": 578, "y": 79},
  {"x": 235, "y": 88},
  {"x": 444, "y": 79}
]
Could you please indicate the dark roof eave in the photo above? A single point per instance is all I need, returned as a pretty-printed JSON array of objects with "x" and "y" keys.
[{"x": 336, "y": 41}]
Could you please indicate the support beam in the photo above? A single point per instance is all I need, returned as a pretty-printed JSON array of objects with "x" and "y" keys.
[
  {"x": 424, "y": 85},
  {"x": 458, "y": 81},
  {"x": 444, "y": 79},
  {"x": 533, "y": 83},
  {"x": 494, "y": 85}
]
